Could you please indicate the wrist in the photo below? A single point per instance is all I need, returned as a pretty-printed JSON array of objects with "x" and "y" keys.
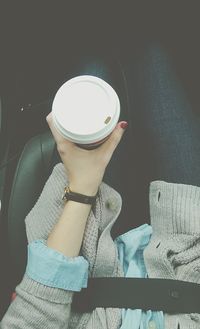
[{"x": 85, "y": 189}]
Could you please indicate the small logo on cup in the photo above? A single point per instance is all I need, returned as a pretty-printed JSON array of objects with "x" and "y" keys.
[{"x": 107, "y": 120}]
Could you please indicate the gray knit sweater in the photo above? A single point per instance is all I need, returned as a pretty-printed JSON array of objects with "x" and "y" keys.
[{"x": 175, "y": 218}]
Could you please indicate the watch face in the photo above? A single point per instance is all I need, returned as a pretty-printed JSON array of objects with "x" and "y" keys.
[
  {"x": 66, "y": 191},
  {"x": 64, "y": 197}
]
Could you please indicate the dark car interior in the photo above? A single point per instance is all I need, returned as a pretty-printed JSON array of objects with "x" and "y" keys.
[{"x": 39, "y": 53}]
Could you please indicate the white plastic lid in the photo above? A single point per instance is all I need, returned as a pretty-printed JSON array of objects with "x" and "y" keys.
[{"x": 85, "y": 109}]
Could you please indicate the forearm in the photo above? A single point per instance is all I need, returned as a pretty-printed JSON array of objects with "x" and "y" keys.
[{"x": 67, "y": 234}]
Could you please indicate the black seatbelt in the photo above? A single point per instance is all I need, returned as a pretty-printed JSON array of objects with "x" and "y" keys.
[{"x": 169, "y": 296}]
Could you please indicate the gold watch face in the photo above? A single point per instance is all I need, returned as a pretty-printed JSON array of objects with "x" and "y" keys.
[{"x": 66, "y": 190}]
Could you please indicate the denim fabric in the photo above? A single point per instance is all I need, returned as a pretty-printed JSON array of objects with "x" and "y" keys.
[
  {"x": 165, "y": 128},
  {"x": 130, "y": 250},
  {"x": 165, "y": 124},
  {"x": 53, "y": 269}
]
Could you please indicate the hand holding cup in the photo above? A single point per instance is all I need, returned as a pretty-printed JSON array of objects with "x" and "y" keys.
[{"x": 85, "y": 168}]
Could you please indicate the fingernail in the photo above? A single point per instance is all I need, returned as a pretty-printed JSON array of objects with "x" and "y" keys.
[{"x": 124, "y": 124}]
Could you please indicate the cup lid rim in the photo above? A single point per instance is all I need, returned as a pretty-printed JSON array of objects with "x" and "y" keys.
[{"x": 113, "y": 104}]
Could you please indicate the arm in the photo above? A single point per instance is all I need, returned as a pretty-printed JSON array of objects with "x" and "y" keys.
[
  {"x": 67, "y": 234},
  {"x": 62, "y": 226},
  {"x": 85, "y": 177}
]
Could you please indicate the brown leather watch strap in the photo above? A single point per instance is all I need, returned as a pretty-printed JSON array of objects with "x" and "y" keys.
[{"x": 78, "y": 197}]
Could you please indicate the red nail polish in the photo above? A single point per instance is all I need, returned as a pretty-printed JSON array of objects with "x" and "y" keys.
[{"x": 124, "y": 124}]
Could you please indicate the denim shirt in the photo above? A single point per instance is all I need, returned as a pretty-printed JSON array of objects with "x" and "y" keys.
[
  {"x": 130, "y": 250},
  {"x": 52, "y": 268}
]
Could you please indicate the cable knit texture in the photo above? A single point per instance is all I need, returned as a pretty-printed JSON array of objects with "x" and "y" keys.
[
  {"x": 174, "y": 249},
  {"x": 173, "y": 252}
]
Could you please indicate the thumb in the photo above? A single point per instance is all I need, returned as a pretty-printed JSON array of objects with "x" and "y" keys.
[{"x": 116, "y": 136}]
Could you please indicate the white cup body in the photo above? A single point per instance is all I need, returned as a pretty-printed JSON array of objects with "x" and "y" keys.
[{"x": 85, "y": 110}]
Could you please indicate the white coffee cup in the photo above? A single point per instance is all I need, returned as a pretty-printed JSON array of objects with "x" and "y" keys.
[{"x": 85, "y": 110}]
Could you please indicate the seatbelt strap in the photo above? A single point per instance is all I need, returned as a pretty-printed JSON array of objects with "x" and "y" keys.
[{"x": 169, "y": 296}]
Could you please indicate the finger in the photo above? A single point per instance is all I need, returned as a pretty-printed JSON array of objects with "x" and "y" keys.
[{"x": 114, "y": 139}]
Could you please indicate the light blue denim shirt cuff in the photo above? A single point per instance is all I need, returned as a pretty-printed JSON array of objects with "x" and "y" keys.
[{"x": 51, "y": 268}]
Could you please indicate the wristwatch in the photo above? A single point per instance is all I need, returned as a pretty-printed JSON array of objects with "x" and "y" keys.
[{"x": 69, "y": 195}]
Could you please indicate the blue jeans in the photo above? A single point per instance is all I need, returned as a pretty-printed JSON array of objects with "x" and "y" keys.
[{"x": 162, "y": 141}]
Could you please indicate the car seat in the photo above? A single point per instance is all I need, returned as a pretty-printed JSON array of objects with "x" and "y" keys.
[{"x": 30, "y": 175}]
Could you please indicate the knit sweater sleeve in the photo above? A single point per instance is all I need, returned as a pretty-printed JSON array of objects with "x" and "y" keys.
[
  {"x": 30, "y": 311},
  {"x": 37, "y": 305},
  {"x": 174, "y": 248}
]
